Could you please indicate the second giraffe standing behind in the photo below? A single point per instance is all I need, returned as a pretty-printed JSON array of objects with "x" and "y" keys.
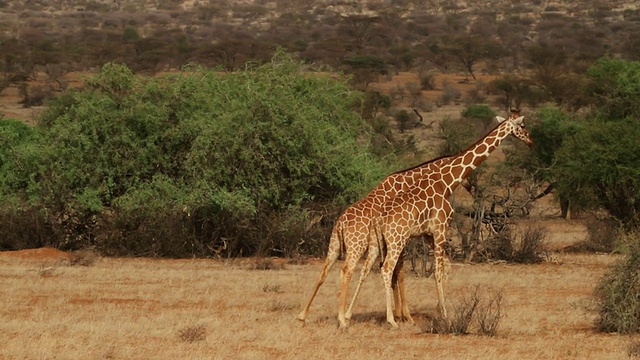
[{"x": 425, "y": 209}]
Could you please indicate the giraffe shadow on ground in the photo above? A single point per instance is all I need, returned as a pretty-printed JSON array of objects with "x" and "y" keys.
[{"x": 422, "y": 319}]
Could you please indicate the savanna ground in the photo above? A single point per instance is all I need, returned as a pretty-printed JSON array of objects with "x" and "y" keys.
[{"x": 133, "y": 308}]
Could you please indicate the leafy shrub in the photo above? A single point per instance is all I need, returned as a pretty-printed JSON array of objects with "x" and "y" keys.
[
  {"x": 458, "y": 134},
  {"x": 598, "y": 166},
  {"x": 617, "y": 293},
  {"x": 182, "y": 164},
  {"x": 403, "y": 118},
  {"x": 428, "y": 81},
  {"x": 483, "y": 112},
  {"x": 449, "y": 95},
  {"x": 18, "y": 153},
  {"x": 24, "y": 228}
]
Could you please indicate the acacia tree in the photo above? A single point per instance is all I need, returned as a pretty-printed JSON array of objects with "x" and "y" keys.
[
  {"x": 599, "y": 165},
  {"x": 469, "y": 49},
  {"x": 591, "y": 160}
]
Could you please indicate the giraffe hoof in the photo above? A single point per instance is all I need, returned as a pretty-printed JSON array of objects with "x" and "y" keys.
[
  {"x": 301, "y": 317},
  {"x": 343, "y": 323},
  {"x": 394, "y": 327}
]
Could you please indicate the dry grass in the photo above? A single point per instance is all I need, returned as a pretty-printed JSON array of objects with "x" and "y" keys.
[{"x": 209, "y": 309}]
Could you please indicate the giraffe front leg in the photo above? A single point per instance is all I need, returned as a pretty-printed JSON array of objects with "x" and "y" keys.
[
  {"x": 405, "y": 314},
  {"x": 440, "y": 274},
  {"x": 387, "y": 277}
]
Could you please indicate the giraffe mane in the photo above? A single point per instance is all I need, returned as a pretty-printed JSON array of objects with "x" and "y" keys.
[
  {"x": 500, "y": 122},
  {"x": 420, "y": 165}
]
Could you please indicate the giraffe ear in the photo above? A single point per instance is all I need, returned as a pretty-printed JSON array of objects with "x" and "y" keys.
[
  {"x": 519, "y": 121},
  {"x": 500, "y": 119}
]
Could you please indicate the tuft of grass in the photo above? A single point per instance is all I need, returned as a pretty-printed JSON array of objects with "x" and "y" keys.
[
  {"x": 489, "y": 314},
  {"x": 298, "y": 260},
  {"x": 527, "y": 248},
  {"x": 266, "y": 264},
  {"x": 271, "y": 288},
  {"x": 84, "y": 257},
  {"x": 278, "y": 306},
  {"x": 633, "y": 349},
  {"x": 532, "y": 247},
  {"x": 45, "y": 271},
  {"x": 480, "y": 304},
  {"x": 193, "y": 333}
]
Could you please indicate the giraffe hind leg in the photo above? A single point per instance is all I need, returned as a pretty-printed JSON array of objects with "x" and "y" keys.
[
  {"x": 387, "y": 275},
  {"x": 345, "y": 278},
  {"x": 366, "y": 269},
  {"x": 332, "y": 257},
  {"x": 400, "y": 294}
]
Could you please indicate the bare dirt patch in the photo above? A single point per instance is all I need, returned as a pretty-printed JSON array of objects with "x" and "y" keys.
[{"x": 38, "y": 255}]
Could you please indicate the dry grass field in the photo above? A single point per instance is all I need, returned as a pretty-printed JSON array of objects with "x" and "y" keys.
[{"x": 133, "y": 308}]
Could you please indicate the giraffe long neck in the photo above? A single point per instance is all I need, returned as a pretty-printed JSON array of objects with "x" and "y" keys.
[{"x": 462, "y": 165}]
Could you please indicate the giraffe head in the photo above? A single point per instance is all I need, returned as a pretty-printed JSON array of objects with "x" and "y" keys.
[{"x": 515, "y": 125}]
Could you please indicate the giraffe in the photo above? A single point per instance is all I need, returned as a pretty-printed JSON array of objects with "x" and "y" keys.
[
  {"x": 425, "y": 209},
  {"x": 350, "y": 234},
  {"x": 401, "y": 308}
]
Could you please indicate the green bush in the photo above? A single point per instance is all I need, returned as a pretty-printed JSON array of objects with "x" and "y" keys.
[
  {"x": 599, "y": 166},
  {"x": 618, "y": 291},
  {"x": 19, "y": 157},
  {"x": 483, "y": 112},
  {"x": 181, "y": 164}
]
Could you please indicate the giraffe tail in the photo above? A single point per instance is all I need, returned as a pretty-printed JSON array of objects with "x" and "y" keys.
[
  {"x": 338, "y": 235},
  {"x": 377, "y": 232},
  {"x": 336, "y": 243}
]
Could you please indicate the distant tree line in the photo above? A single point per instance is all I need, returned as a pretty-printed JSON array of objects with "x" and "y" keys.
[{"x": 551, "y": 48}]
